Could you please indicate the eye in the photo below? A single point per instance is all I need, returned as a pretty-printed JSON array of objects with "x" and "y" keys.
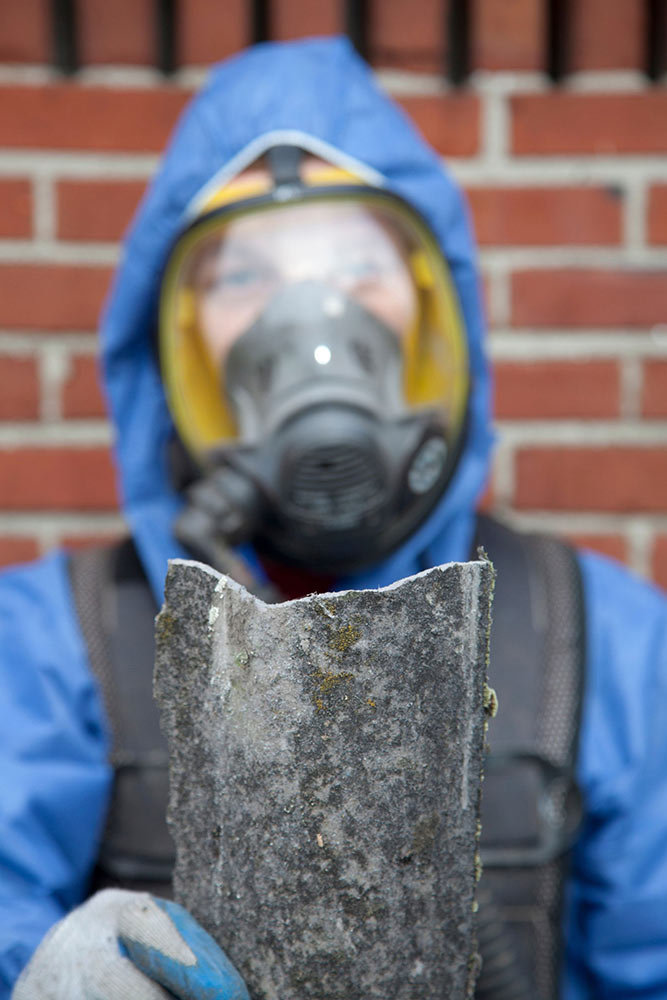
[
  {"x": 244, "y": 276},
  {"x": 236, "y": 275},
  {"x": 365, "y": 267}
]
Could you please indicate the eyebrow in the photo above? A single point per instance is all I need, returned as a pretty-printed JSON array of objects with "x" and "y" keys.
[{"x": 211, "y": 256}]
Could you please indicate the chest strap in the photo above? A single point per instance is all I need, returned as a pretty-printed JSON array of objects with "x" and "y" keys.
[
  {"x": 530, "y": 802},
  {"x": 116, "y": 613}
]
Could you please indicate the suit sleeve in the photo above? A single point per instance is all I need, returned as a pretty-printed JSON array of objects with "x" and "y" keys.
[
  {"x": 53, "y": 761},
  {"x": 616, "y": 918}
]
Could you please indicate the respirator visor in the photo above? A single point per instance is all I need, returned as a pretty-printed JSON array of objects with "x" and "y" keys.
[{"x": 353, "y": 244}]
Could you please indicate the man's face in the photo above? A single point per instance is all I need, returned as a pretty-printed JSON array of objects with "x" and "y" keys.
[{"x": 345, "y": 246}]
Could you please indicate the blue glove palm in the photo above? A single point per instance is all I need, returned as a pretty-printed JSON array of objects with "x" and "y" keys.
[
  {"x": 122, "y": 945},
  {"x": 178, "y": 954}
]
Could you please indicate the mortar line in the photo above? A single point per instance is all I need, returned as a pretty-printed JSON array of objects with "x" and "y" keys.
[
  {"x": 575, "y": 345},
  {"x": 634, "y": 216},
  {"x": 583, "y": 434},
  {"x": 581, "y": 257},
  {"x": 631, "y": 384},
  {"x": 58, "y": 252},
  {"x": 43, "y": 212},
  {"x": 495, "y": 130},
  {"x": 56, "y": 432}
]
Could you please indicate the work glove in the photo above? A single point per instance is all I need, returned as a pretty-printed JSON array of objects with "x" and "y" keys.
[{"x": 123, "y": 945}]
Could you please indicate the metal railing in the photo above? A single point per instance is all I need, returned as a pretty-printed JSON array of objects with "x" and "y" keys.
[{"x": 357, "y": 21}]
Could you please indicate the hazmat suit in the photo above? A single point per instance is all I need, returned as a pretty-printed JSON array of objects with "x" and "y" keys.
[{"x": 54, "y": 736}]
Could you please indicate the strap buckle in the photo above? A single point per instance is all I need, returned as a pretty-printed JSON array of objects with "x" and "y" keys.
[{"x": 556, "y": 814}]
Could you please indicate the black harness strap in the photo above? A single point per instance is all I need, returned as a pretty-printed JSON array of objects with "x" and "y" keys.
[
  {"x": 530, "y": 804},
  {"x": 116, "y": 613}
]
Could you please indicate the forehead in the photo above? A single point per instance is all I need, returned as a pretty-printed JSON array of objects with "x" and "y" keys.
[
  {"x": 308, "y": 221},
  {"x": 294, "y": 229}
]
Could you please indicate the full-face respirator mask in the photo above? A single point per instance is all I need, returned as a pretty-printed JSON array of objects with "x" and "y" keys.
[{"x": 316, "y": 368}]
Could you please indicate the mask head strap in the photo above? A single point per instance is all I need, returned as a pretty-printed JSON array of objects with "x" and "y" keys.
[{"x": 284, "y": 163}]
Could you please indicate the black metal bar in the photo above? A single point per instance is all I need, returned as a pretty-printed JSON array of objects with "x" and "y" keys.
[
  {"x": 357, "y": 15},
  {"x": 558, "y": 38},
  {"x": 458, "y": 36},
  {"x": 261, "y": 21},
  {"x": 64, "y": 36},
  {"x": 165, "y": 35},
  {"x": 656, "y": 39}
]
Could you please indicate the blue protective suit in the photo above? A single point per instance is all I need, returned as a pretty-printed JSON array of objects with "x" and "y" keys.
[{"x": 53, "y": 733}]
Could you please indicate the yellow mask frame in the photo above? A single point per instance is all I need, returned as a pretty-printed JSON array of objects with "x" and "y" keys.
[{"x": 435, "y": 354}]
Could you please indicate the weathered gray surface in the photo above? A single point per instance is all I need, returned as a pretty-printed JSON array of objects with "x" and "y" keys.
[{"x": 325, "y": 778}]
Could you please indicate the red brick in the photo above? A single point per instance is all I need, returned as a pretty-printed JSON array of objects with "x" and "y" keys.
[
  {"x": 562, "y": 123},
  {"x": 603, "y": 38},
  {"x": 67, "y": 116},
  {"x": 405, "y": 37},
  {"x": 659, "y": 561},
  {"x": 17, "y": 550},
  {"x": 15, "y": 208},
  {"x": 96, "y": 210},
  {"x": 588, "y": 298},
  {"x": 25, "y": 31},
  {"x": 485, "y": 285},
  {"x": 88, "y": 541},
  {"x": 487, "y": 500},
  {"x": 56, "y": 479},
  {"x": 51, "y": 297},
  {"x": 19, "y": 389},
  {"x": 654, "y": 394},
  {"x": 614, "y": 546},
  {"x": 82, "y": 396},
  {"x": 207, "y": 30},
  {"x": 576, "y": 216},
  {"x": 449, "y": 122},
  {"x": 508, "y": 34},
  {"x": 296, "y": 19},
  {"x": 656, "y": 217},
  {"x": 119, "y": 32},
  {"x": 557, "y": 389},
  {"x": 619, "y": 479}
]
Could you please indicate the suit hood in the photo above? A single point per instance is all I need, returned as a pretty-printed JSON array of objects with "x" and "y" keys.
[{"x": 321, "y": 89}]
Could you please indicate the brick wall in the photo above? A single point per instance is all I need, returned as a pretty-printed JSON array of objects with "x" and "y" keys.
[{"x": 568, "y": 189}]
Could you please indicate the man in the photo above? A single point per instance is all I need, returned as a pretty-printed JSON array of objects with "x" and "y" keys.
[{"x": 300, "y": 284}]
